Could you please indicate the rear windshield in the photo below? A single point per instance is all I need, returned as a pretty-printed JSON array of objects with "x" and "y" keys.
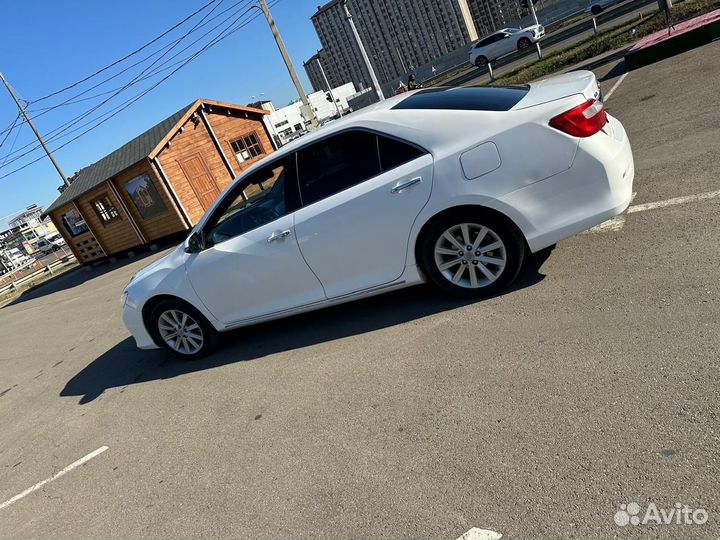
[{"x": 473, "y": 98}]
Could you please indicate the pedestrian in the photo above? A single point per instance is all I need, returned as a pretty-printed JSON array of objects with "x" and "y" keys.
[{"x": 412, "y": 83}]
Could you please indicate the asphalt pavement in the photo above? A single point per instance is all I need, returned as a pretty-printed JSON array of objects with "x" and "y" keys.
[{"x": 590, "y": 385}]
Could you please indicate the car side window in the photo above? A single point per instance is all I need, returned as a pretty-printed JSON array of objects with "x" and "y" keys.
[
  {"x": 394, "y": 153},
  {"x": 336, "y": 163},
  {"x": 259, "y": 199}
]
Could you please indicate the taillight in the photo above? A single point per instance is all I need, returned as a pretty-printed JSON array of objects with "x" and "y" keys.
[{"x": 582, "y": 121}]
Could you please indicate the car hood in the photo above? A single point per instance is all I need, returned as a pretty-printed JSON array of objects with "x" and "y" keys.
[{"x": 174, "y": 259}]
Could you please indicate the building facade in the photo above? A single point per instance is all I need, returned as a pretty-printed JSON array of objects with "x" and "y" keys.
[
  {"x": 26, "y": 229},
  {"x": 162, "y": 182},
  {"x": 399, "y": 36},
  {"x": 288, "y": 122},
  {"x": 492, "y": 15}
]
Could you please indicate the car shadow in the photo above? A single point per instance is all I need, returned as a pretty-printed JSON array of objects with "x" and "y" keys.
[{"x": 124, "y": 364}]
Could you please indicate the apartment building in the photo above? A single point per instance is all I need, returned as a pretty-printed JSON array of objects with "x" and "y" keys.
[
  {"x": 315, "y": 72},
  {"x": 399, "y": 36},
  {"x": 492, "y": 15}
]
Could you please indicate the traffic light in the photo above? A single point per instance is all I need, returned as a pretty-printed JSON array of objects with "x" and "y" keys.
[{"x": 329, "y": 97}]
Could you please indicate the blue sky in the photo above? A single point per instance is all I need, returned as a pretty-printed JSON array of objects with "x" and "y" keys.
[{"x": 48, "y": 44}]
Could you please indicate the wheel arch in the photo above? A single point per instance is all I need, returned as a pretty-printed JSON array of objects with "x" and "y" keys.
[{"x": 480, "y": 209}]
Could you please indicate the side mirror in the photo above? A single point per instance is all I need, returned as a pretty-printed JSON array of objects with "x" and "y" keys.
[
  {"x": 196, "y": 243},
  {"x": 506, "y": 36}
]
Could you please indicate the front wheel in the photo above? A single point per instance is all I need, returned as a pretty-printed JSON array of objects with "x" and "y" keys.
[
  {"x": 481, "y": 61},
  {"x": 471, "y": 255},
  {"x": 523, "y": 43},
  {"x": 183, "y": 330}
]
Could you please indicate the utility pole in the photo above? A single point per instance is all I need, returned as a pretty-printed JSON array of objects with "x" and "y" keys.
[
  {"x": 289, "y": 64},
  {"x": 369, "y": 67},
  {"x": 532, "y": 10},
  {"x": 35, "y": 131},
  {"x": 322, "y": 71}
]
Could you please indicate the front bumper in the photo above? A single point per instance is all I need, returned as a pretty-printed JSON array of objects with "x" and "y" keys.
[{"x": 133, "y": 320}]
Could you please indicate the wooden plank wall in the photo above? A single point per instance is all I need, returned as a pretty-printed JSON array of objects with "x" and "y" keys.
[
  {"x": 161, "y": 225},
  {"x": 229, "y": 127},
  {"x": 197, "y": 140}
]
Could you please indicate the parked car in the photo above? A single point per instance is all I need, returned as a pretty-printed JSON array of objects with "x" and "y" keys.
[
  {"x": 454, "y": 186},
  {"x": 598, "y": 6},
  {"x": 50, "y": 243},
  {"x": 504, "y": 42}
]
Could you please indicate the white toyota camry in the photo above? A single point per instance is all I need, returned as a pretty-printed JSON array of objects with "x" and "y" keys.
[{"x": 448, "y": 185}]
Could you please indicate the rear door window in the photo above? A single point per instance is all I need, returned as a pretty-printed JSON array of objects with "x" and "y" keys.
[
  {"x": 336, "y": 163},
  {"x": 394, "y": 153}
]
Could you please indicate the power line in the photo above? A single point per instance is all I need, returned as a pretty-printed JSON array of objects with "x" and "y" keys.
[
  {"x": 73, "y": 99},
  {"x": 64, "y": 129},
  {"x": 129, "y": 55},
  {"x": 212, "y": 43},
  {"x": 9, "y": 130}
]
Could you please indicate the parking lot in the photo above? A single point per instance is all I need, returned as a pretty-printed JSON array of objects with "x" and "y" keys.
[{"x": 592, "y": 383}]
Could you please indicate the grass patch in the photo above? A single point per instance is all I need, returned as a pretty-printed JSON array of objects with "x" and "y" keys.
[{"x": 608, "y": 40}]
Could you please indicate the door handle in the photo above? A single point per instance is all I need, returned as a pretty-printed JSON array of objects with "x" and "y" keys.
[
  {"x": 278, "y": 235},
  {"x": 409, "y": 183}
]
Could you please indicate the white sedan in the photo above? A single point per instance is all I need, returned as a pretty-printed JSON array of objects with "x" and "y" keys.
[
  {"x": 504, "y": 42},
  {"x": 454, "y": 186}
]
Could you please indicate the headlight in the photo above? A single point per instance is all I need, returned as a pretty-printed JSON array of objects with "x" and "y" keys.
[{"x": 123, "y": 299}]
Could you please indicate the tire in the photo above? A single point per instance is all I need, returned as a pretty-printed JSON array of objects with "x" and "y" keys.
[
  {"x": 479, "y": 276},
  {"x": 481, "y": 62},
  {"x": 596, "y": 10},
  {"x": 169, "y": 316},
  {"x": 523, "y": 43}
]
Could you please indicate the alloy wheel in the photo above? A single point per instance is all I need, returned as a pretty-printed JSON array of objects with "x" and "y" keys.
[
  {"x": 180, "y": 331},
  {"x": 470, "y": 255}
]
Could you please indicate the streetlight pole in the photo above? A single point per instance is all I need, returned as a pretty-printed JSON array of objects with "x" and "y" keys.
[
  {"x": 34, "y": 129},
  {"x": 288, "y": 62},
  {"x": 363, "y": 52},
  {"x": 322, "y": 72}
]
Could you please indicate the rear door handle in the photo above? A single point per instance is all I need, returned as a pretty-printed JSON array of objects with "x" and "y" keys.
[
  {"x": 409, "y": 183},
  {"x": 278, "y": 235}
]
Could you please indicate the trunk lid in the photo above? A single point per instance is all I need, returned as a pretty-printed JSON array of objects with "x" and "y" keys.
[{"x": 560, "y": 86}]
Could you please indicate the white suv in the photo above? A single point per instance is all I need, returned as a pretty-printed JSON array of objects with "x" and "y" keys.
[{"x": 504, "y": 42}]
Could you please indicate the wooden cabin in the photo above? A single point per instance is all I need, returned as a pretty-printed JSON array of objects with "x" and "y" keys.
[{"x": 162, "y": 182}]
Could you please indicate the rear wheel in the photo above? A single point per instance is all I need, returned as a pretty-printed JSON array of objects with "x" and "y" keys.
[
  {"x": 481, "y": 61},
  {"x": 596, "y": 10},
  {"x": 523, "y": 43},
  {"x": 183, "y": 330},
  {"x": 470, "y": 254}
]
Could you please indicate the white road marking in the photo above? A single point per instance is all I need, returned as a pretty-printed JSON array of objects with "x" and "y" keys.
[
  {"x": 673, "y": 202},
  {"x": 480, "y": 534},
  {"x": 617, "y": 223},
  {"x": 55, "y": 476},
  {"x": 614, "y": 86}
]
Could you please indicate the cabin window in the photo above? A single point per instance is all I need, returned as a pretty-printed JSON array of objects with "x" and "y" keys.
[
  {"x": 105, "y": 210},
  {"x": 74, "y": 223},
  {"x": 145, "y": 197},
  {"x": 247, "y": 147}
]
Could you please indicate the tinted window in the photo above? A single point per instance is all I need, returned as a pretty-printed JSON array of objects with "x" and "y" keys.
[
  {"x": 485, "y": 98},
  {"x": 256, "y": 201},
  {"x": 336, "y": 163},
  {"x": 394, "y": 153}
]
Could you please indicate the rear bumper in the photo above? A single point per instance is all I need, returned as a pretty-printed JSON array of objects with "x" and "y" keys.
[{"x": 597, "y": 187}]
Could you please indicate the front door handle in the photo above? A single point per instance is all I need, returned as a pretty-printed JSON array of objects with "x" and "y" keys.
[
  {"x": 278, "y": 235},
  {"x": 409, "y": 183}
]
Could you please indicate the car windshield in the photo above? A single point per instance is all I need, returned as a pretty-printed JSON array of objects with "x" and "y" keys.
[{"x": 512, "y": 30}]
